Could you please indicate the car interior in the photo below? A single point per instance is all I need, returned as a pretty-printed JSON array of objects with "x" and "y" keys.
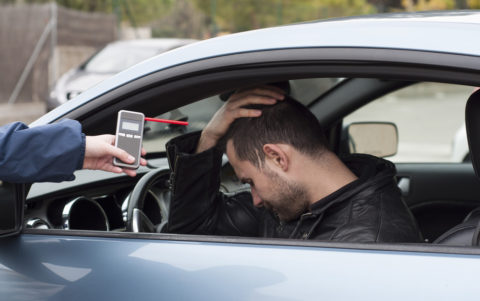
[
  {"x": 442, "y": 195},
  {"x": 468, "y": 231}
]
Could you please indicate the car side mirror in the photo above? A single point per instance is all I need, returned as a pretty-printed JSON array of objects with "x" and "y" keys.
[
  {"x": 374, "y": 138},
  {"x": 12, "y": 200}
]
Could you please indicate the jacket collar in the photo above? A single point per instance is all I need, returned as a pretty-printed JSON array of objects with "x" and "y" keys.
[{"x": 372, "y": 173}]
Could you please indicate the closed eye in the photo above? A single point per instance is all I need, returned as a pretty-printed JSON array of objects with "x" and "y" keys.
[{"x": 247, "y": 181}]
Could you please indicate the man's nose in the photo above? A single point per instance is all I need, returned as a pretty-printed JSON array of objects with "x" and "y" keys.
[{"x": 257, "y": 201}]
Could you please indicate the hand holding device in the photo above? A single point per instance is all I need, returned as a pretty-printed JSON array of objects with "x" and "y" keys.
[{"x": 129, "y": 136}]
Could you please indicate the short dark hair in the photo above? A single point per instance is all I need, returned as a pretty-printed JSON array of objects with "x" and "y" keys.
[{"x": 287, "y": 121}]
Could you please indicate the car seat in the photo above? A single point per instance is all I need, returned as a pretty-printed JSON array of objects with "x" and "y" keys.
[{"x": 467, "y": 233}]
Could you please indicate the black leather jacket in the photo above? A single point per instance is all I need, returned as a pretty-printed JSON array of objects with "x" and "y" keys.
[{"x": 369, "y": 209}]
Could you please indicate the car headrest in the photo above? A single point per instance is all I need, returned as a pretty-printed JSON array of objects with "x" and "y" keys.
[{"x": 472, "y": 123}]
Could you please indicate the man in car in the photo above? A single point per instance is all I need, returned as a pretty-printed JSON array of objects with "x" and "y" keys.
[{"x": 298, "y": 187}]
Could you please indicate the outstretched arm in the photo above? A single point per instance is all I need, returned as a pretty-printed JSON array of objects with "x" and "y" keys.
[{"x": 52, "y": 152}]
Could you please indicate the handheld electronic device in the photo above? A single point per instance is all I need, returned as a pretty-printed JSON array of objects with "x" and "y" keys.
[{"x": 129, "y": 136}]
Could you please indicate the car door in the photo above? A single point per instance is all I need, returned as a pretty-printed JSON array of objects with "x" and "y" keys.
[
  {"x": 81, "y": 266},
  {"x": 55, "y": 264}
]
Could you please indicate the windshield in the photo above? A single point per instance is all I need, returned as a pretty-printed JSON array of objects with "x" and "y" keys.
[
  {"x": 116, "y": 58},
  {"x": 199, "y": 113}
]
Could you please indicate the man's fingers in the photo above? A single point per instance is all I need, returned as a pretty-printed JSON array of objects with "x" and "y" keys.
[
  {"x": 120, "y": 154},
  {"x": 242, "y": 112},
  {"x": 256, "y": 92},
  {"x": 130, "y": 172},
  {"x": 116, "y": 169},
  {"x": 110, "y": 168},
  {"x": 238, "y": 110},
  {"x": 127, "y": 158},
  {"x": 267, "y": 91},
  {"x": 110, "y": 139},
  {"x": 235, "y": 108},
  {"x": 252, "y": 100},
  {"x": 271, "y": 91}
]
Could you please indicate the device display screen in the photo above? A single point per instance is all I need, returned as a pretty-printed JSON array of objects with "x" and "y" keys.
[{"x": 130, "y": 125}]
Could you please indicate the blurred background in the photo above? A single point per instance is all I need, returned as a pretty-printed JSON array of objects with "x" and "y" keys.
[{"x": 50, "y": 51}]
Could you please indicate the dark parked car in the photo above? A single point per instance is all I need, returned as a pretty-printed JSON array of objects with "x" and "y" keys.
[
  {"x": 415, "y": 71},
  {"x": 113, "y": 58}
]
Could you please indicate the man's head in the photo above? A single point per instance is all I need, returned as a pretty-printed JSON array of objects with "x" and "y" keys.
[
  {"x": 286, "y": 122},
  {"x": 262, "y": 149}
]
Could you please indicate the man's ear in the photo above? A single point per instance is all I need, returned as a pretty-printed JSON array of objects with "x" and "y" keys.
[{"x": 277, "y": 156}]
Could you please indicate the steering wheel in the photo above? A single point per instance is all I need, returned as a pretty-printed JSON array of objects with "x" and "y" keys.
[{"x": 137, "y": 220}]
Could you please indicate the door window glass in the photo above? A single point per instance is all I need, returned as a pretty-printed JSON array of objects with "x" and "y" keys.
[{"x": 429, "y": 118}]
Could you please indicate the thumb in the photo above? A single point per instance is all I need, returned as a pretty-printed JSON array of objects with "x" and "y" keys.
[{"x": 120, "y": 154}]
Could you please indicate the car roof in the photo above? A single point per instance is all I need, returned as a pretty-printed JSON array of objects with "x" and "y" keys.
[
  {"x": 443, "y": 31},
  {"x": 427, "y": 31},
  {"x": 161, "y": 43}
]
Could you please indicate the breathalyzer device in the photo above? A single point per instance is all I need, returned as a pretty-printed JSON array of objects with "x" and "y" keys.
[{"x": 129, "y": 136}]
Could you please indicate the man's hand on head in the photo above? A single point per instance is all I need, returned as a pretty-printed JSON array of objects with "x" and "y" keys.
[
  {"x": 234, "y": 108},
  {"x": 100, "y": 151}
]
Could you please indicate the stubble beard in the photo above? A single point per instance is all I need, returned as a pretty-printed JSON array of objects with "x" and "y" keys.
[{"x": 290, "y": 199}]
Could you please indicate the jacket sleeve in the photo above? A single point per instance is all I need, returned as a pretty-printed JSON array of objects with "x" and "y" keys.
[
  {"x": 197, "y": 206},
  {"x": 49, "y": 153}
]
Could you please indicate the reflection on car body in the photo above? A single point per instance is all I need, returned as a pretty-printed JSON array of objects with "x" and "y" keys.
[{"x": 357, "y": 60}]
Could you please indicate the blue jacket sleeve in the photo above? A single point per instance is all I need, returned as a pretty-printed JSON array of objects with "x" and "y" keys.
[{"x": 49, "y": 153}]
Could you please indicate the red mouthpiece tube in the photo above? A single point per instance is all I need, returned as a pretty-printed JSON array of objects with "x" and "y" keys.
[{"x": 166, "y": 121}]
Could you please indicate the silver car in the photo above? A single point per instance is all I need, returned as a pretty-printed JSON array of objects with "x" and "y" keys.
[
  {"x": 113, "y": 58},
  {"x": 413, "y": 71}
]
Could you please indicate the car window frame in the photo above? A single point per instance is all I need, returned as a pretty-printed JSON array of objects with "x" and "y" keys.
[
  {"x": 329, "y": 62},
  {"x": 214, "y": 75},
  {"x": 165, "y": 237}
]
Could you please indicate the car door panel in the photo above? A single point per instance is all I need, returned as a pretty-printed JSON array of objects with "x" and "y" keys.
[
  {"x": 90, "y": 268},
  {"x": 440, "y": 195}
]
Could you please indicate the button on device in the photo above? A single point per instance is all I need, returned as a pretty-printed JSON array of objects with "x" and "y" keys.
[
  {"x": 136, "y": 137},
  {"x": 129, "y": 136},
  {"x": 121, "y": 134}
]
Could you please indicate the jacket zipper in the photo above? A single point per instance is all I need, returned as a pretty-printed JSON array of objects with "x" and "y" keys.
[{"x": 171, "y": 180}]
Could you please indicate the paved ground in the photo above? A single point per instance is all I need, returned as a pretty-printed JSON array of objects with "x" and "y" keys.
[{"x": 26, "y": 112}]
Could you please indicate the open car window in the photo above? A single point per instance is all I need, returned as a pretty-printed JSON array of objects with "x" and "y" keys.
[
  {"x": 430, "y": 121},
  {"x": 427, "y": 116},
  {"x": 200, "y": 112}
]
